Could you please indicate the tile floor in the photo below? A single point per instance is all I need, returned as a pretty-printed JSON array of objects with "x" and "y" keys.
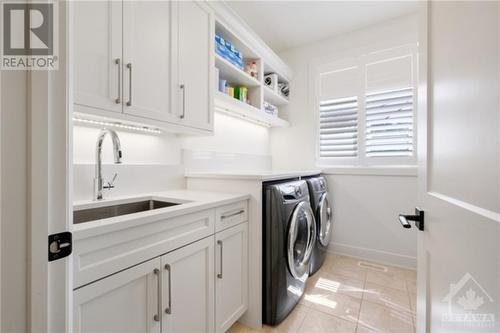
[{"x": 349, "y": 295}]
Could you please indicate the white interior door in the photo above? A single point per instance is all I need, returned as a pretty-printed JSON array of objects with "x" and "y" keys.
[
  {"x": 459, "y": 168},
  {"x": 147, "y": 59}
]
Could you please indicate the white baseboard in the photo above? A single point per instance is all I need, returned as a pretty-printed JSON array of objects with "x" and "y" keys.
[{"x": 382, "y": 257}]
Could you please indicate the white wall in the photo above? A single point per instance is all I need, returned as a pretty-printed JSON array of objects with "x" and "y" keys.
[
  {"x": 150, "y": 163},
  {"x": 14, "y": 205},
  {"x": 158, "y": 159},
  {"x": 236, "y": 145},
  {"x": 366, "y": 206}
]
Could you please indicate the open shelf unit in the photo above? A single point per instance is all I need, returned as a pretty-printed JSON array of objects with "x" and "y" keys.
[
  {"x": 233, "y": 74},
  {"x": 235, "y": 108},
  {"x": 271, "y": 97},
  {"x": 258, "y": 92}
]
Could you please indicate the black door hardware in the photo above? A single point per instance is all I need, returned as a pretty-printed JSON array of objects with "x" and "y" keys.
[
  {"x": 418, "y": 218},
  {"x": 60, "y": 245}
]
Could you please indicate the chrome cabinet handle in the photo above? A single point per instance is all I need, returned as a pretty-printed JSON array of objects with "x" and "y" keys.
[
  {"x": 183, "y": 88},
  {"x": 156, "y": 317},
  {"x": 168, "y": 310},
  {"x": 129, "y": 66},
  {"x": 233, "y": 214},
  {"x": 118, "y": 100},
  {"x": 219, "y": 242}
]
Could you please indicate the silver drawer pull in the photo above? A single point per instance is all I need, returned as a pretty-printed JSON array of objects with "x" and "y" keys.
[
  {"x": 232, "y": 214},
  {"x": 158, "y": 304},
  {"x": 129, "y": 66},
  {"x": 168, "y": 310},
  {"x": 219, "y": 275},
  {"x": 118, "y": 100}
]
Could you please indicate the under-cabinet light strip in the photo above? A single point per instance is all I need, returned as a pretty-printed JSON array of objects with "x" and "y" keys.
[{"x": 117, "y": 125}]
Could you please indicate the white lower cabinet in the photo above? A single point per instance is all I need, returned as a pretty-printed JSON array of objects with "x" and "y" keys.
[
  {"x": 124, "y": 302},
  {"x": 231, "y": 286},
  {"x": 188, "y": 288},
  {"x": 197, "y": 288}
]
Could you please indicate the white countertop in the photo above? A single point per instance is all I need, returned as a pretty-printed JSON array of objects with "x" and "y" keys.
[
  {"x": 191, "y": 201},
  {"x": 260, "y": 176}
]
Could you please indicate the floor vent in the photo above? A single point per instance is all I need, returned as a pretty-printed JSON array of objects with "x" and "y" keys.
[{"x": 372, "y": 266}]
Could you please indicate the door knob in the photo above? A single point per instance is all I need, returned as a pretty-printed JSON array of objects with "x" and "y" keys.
[{"x": 418, "y": 218}]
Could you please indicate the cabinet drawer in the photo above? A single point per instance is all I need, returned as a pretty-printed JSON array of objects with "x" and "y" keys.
[
  {"x": 98, "y": 256},
  {"x": 231, "y": 215}
]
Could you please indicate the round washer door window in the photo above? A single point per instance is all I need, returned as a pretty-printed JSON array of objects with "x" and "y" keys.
[
  {"x": 301, "y": 237},
  {"x": 325, "y": 220}
]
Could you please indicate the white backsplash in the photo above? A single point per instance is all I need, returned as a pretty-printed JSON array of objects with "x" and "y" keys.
[
  {"x": 209, "y": 161},
  {"x": 132, "y": 179}
]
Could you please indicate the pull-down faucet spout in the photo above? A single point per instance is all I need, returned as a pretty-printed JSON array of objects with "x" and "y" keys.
[{"x": 117, "y": 152}]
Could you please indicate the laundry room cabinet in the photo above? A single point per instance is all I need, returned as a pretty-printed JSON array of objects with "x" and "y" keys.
[
  {"x": 144, "y": 61},
  {"x": 123, "y": 302},
  {"x": 173, "y": 293},
  {"x": 200, "y": 284},
  {"x": 188, "y": 293},
  {"x": 231, "y": 285}
]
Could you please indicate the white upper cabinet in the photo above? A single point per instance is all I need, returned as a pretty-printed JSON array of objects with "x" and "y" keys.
[
  {"x": 147, "y": 59},
  {"x": 125, "y": 302},
  {"x": 193, "y": 52},
  {"x": 188, "y": 288},
  {"x": 97, "y": 54}
]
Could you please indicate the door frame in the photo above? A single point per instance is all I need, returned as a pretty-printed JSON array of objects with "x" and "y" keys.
[
  {"x": 49, "y": 189},
  {"x": 422, "y": 322}
]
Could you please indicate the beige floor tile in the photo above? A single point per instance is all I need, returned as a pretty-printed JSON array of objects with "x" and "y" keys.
[
  {"x": 292, "y": 323},
  {"x": 411, "y": 274},
  {"x": 413, "y": 301},
  {"x": 344, "y": 266},
  {"x": 389, "y": 297},
  {"x": 240, "y": 328},
  {"x": 411, "y": 285},
  {"x": 342, "y": 306},
  {"x": 319, "y": 322},
  {"x": 387, "y": 279},
  {"x": 377, "y": 318},
  {"x": 336, "y": 283}
]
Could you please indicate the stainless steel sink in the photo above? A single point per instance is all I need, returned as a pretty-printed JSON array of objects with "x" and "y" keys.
[{"x": 92, "y": 214}]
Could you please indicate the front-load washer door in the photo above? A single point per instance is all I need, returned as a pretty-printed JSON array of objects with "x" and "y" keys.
[
  {"x": 324, "y": 220},
  {"x": 301, "y": 238}
]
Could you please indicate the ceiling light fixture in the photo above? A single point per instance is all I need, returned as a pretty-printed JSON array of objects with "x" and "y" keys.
[{"x": 117, "y": 125}]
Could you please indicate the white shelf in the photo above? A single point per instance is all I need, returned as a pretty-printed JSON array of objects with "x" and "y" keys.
[
  {"x": 233, "y": 74},
  {"x": 275, "y": 99},
  {"x": 233, "y": 107}
]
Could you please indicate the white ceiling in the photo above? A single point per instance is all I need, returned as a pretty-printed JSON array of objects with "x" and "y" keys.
[{"x": 288, "y": 24}]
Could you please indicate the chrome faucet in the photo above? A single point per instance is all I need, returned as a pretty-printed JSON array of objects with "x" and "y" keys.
[{"x": 117, "y": 152}]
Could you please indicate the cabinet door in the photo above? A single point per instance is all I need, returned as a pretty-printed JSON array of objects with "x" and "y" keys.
[
  {"x": 123, "y": 302},
  {"x": 231, "y": 287},
  {"x": 147, "y": 59},
  {"x": 97, "y": 53},
  {"x": 188, "y": 288},
  {"x": 194, "y": 56}
]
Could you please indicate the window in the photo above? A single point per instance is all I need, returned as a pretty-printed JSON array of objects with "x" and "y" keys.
[{"x": 365, "y": 108}]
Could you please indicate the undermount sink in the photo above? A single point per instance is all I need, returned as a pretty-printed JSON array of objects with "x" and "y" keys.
[{"x": 93, "y": 214}]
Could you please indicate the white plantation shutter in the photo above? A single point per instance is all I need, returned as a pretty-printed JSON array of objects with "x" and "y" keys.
[
  {"x": 389, "y": 123},
  {"x": 366, "y": 111},
  {"x": 338, "y": 127}
]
